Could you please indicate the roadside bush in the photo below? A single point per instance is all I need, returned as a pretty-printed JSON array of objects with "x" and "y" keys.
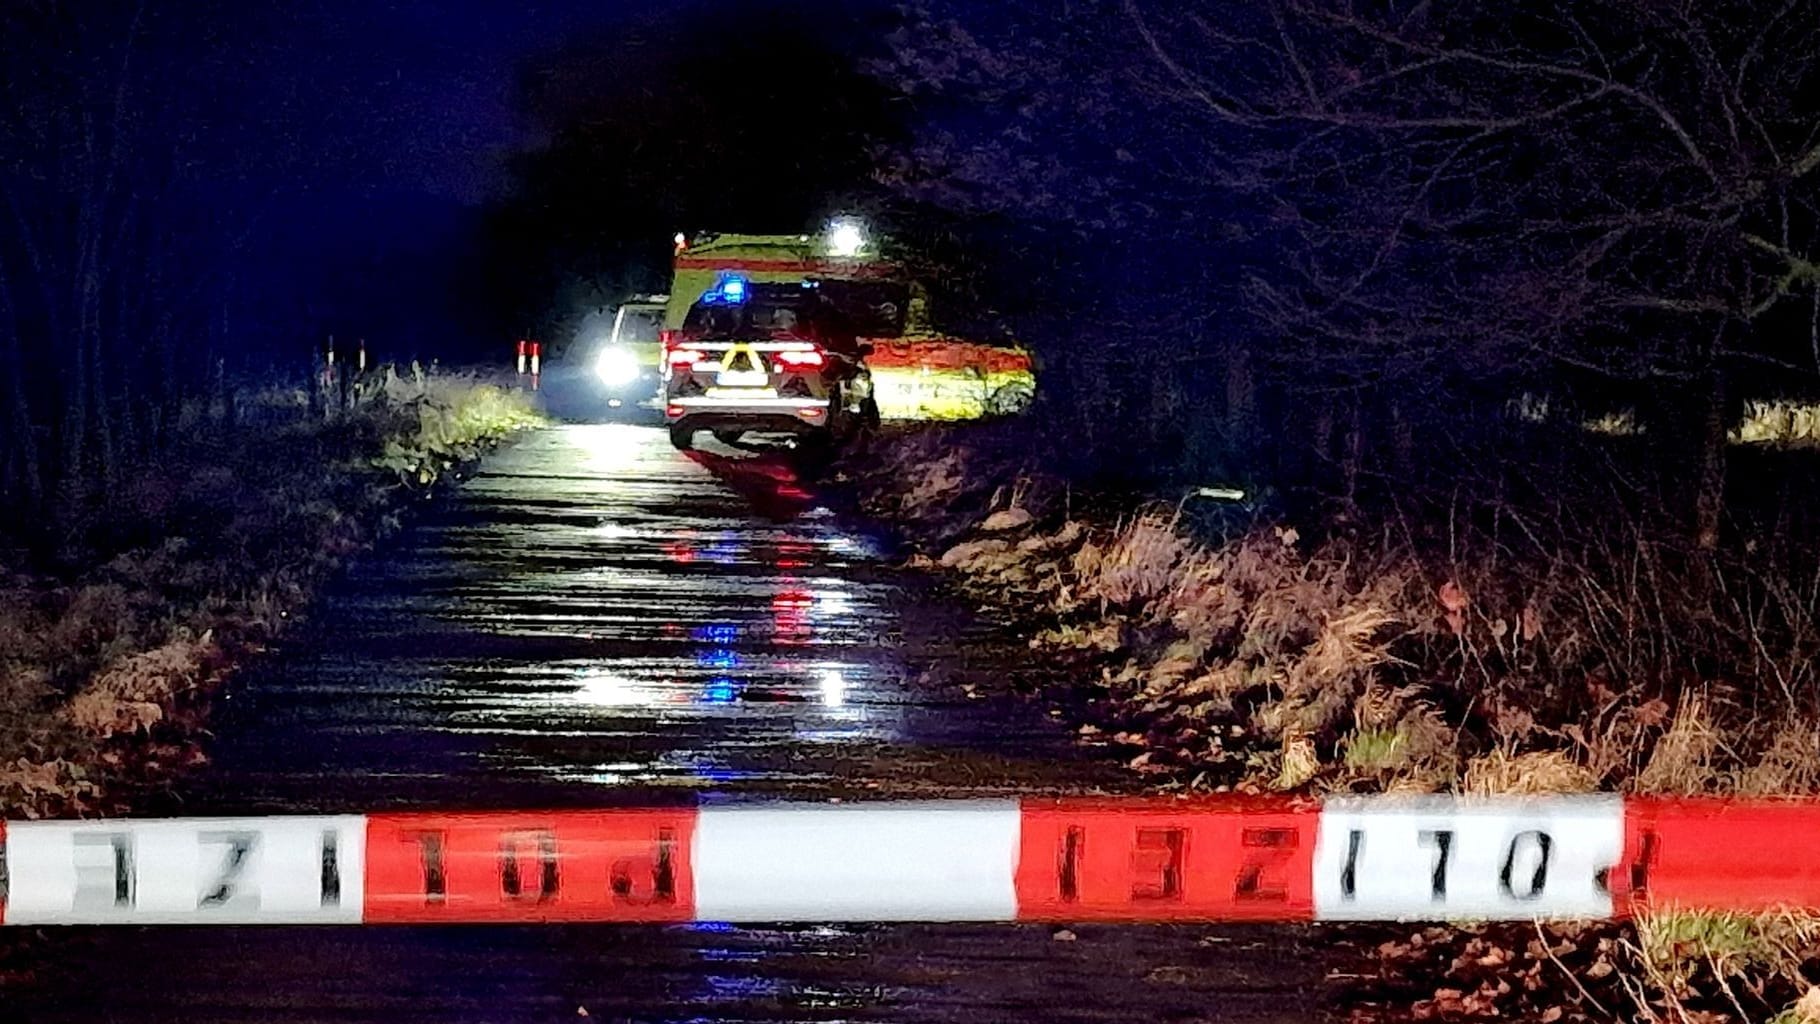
[
  {"x": 1531, "y": 640},
  {"x": 109, "y": 645},
  {"x": 1369, "y": 660}
]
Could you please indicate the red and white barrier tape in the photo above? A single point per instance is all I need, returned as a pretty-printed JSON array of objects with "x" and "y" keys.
[{"x": 1378, "y": 858}]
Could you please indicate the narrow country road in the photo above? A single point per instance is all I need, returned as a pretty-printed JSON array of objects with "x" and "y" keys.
[{"x": 596, "y": 619}]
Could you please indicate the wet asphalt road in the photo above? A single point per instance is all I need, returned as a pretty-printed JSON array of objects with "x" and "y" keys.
[{"x": 596, "y": 619}]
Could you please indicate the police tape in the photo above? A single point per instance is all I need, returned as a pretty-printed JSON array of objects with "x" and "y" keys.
[{"x": 1368, "y": 858}]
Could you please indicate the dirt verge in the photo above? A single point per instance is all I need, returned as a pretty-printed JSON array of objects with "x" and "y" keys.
[{"x": 114, "y": 631}]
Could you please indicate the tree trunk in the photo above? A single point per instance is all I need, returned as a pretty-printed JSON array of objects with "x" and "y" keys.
[
  {"x": 1353, "y": 459},
  {"x": 1318, "y": 453},
  {"x": 1402, "y": 441},
  {"x": 72, "y": 441},
  {"x": 22, "y": 468},
  {"x": 101, "y": 399},
  {"x": 1709, "y": 495},
  {"x": 1241, "y": 397}
]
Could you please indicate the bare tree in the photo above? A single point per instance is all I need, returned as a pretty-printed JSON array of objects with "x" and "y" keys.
[
  {"x": 1423, "y": 196},
  {"x": 118, "y": 229},
  {"x": 1625, "y": 188}
]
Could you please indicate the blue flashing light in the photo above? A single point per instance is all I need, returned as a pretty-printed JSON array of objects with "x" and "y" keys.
[
  {"x": 719, "y": 657},
  {"x": 721, "y": 690},
  {"x": 711, "y": 926},
  {"x": 730, "y": 290},
  {"x": 719, "y": 634}
]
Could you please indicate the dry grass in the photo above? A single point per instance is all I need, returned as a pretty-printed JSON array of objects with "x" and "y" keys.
[
  {"x": 1614, "y": 424},
  {"x": 1536, "y": 772},
  {"x": 130, "y": 695},
  {"x": 28, "y": 786},
  {"x": 1789, "y": 764},
  {"x": 1265, "y": 662},
  {"x": 436, "y": 422},
  {"x": 1684, "y": 759},
  {"x": 1558, "y": 656},
  {"x": 224, "y": 539},
  {"x": 1784, "y": 424},
  {"x": 1751, "y": 964},
  {"x": 1778, "y": 423}
]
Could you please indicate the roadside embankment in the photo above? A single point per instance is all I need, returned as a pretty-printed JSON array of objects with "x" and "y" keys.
[
  {"x": 1270, "y": 656},
  {"x": 111, "y": 641}
]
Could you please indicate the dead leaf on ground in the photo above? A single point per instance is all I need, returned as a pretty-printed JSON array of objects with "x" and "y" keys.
[
  {"x": 1653, "y": 713},
  {"x": 1007, "y": 519}
]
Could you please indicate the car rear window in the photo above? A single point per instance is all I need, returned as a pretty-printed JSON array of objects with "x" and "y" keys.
[{"x": 755, "y": 318}]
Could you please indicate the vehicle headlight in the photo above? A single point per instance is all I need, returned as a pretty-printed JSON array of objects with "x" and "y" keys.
[{"x": 616, "y": 366}]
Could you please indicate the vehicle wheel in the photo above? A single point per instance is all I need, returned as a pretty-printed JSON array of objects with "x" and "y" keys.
[
  {"x": 728, "y": 436},
  {"x": 682, "y": 438}
]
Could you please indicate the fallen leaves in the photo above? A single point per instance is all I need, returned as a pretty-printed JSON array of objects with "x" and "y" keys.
[
  {"x": 1454, "y": 600},
  {"x": 1496, "y": 972},
  {"x": 1003, "y": 520}
]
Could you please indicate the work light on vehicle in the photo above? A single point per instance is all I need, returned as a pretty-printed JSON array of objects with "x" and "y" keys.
[
  {"x": 846, "y": 237},
  {"x": 616, "y": 366}
]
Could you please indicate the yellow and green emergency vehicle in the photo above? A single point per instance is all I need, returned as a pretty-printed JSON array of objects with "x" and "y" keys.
[{"x": 917, "y": 372}]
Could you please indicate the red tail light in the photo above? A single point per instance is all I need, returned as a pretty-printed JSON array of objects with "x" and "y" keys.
[
  {"x": 674, "y": 352},
  {"x": 797, "y": 358}
]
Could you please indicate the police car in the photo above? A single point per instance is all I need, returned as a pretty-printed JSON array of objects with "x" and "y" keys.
[{"x": 765, "y": 358}]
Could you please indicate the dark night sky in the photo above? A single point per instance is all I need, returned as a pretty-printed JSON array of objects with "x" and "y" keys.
[
  {"x": 405, "y": 115},
  {"x": 418, "y": 95},
  {"x": 423, "y": 91}
]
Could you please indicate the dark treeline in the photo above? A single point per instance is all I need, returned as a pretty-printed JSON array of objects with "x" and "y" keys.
[
  {"x": 1296, "y": 244},
  {"x": 195, "y": 198},
  {"x": 1334, "y": 243},
  {"x": 187, "y": 209}
]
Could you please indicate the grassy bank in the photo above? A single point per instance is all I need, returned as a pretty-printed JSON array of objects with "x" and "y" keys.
[
  {"x": 1368, "y": 651},
  {"x": 116, "y": 622}
]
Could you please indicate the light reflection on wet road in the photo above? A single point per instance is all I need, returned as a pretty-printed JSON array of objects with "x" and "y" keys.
[{"x": 597, "y": 619}]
